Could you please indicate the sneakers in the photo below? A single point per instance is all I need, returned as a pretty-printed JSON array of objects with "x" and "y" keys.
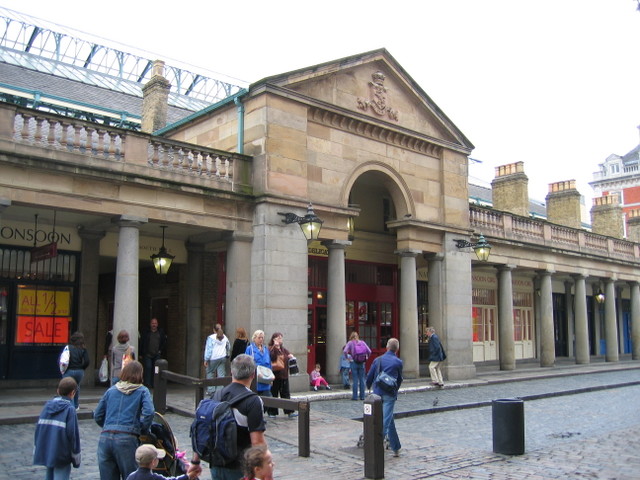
[
  {"x": 293, "y": 415},
  {"x": 315, "y": 389},
  {"x": 396, "y": 453},
  {"x": 328, "y": 387}
]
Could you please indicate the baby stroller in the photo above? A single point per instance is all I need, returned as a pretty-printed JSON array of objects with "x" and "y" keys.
[{"x": 161, "y": 436}]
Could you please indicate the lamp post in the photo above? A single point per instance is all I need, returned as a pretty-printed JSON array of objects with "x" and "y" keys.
[
  {"x": 162, "y": 260},
  {"x": 310, "y": 224},
  {"x": 481, "y": 247}
]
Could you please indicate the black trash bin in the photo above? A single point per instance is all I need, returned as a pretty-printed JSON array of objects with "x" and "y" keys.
[{"x": 508, "y": 426}]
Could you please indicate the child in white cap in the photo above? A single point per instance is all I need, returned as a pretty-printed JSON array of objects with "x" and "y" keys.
[{"x": 147, "y": 457}]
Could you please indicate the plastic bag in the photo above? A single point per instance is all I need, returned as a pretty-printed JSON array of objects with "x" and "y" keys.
[
  {"x": 103, "y": 373},
  {"x": 63, "y": 361}
]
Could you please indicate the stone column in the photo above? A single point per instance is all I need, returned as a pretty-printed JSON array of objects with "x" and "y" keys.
[
  {"x": 506, "y": 344},
  {"x": 598, "y": 318},
  {"x": 635, "y": 320},
  {"x": 194, "y": 341},
  {"x": 88, "y": 296},
  {"x": 409, "y": 313},
  {"x": 125, "y": 308},
  {"x": 610, "y": 324},
  {"x": 570, "y": 318},
  {"x": 336, "y": 309},
  {"x": 581, "y": 321},
  {"x": 547, "y": 342},
  {"x": 238, "y": 306}
]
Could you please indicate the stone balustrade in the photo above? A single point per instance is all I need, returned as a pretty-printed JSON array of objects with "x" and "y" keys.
[
  {"x": 521, "y": 229},
  {"x": 63, "y": 134}
]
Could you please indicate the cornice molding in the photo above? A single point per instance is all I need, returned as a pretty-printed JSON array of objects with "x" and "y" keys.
[{"x": 376, "y": 132}]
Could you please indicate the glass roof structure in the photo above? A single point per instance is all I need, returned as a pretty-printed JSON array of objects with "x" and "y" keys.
[{"x": 40, "y": 45}]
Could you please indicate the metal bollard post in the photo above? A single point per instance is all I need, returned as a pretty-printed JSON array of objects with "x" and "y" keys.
[
  {"x": 373, "y": 441},
  {"x": 160, "y": 386},
  {"x": 508, "y": 426}
]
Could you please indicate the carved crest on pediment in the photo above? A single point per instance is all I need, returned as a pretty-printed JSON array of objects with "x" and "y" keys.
[{"x": 378, "y": 100}]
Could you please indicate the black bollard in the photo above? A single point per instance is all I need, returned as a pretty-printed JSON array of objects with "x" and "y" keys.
[
  {"x": 160, "y": 387},
  {"x": 373, "y": 441},
  {"x": 508, "y": 426}
]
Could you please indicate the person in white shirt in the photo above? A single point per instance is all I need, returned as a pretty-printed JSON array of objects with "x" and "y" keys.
[{"x": 216, "y": 353}]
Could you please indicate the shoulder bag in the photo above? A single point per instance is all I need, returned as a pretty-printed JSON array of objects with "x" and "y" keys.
[{"x": 384, "y": 381}]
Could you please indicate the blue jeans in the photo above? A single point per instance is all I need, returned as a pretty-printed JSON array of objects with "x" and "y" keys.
[
  {"x": 222, "y": 473},
  {"x": 388, "y": 423},
  {"x": 357, "y": 377},
  {"x": 215, "y": 369},
  {"x": 149, "y": 370},
  {"x": 345, "y": 376},
  {"x": 58, "y": 473},
  {"x": 117, "y": 455},
  {"x": 77, "y": 375}
]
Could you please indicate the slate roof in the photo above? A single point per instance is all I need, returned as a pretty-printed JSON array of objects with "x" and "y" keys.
[{"x": 80, "y": 92}]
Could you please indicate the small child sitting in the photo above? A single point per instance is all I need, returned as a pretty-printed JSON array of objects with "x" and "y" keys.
[
  {"x": 147, "y": 458},
  {"x": 318, "y": 380}
]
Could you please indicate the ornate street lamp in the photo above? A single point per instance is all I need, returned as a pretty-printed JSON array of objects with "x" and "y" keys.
[
  {"x": 481, "y": 247},
  {"x": 162, "y": 260},
  {"x": 310, "y": 223}
]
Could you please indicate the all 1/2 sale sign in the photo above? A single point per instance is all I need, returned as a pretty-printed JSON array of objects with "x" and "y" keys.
[{"x": 44, "y": 315}]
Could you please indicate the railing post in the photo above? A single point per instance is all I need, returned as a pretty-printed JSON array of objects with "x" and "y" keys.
[
  {"x": 304, "y": 443},
  {"x": 160, "y": 386},
  {"x": 373, "y": 441}
]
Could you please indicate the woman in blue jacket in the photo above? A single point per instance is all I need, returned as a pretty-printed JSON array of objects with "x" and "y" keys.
[
  {"x": 261, "y": 355},
  {"x": 124, "y": 412}
]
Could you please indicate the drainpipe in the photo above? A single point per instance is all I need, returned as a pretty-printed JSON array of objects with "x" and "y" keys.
[{"x": 240, "y": 106}]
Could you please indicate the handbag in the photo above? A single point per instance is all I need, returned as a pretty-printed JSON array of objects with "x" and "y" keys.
[
  {"x": 278, "y": 364},
  {"x": 63, "y": 361},
  {"x": 293, "y": 366},
  {"x": 265, "y": 375},
  {"x": 103, "y": 373},
  {"x": 384, "y": 381}
]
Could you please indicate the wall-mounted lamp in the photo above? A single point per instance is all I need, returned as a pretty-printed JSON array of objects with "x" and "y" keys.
[
  {"x": 162, "y": 260},
  {"x": 481, "y": 247},
  {"x": 600, "y": 298},
  {"x": 310, "y": 223},
  {"x": 351, "y": 225}
]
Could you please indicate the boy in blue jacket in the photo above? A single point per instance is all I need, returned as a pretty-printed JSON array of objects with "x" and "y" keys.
[{"x": 57, "y": 437}]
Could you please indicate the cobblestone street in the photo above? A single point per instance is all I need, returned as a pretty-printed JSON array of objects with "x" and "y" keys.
[{"x": 588, "y": 435}]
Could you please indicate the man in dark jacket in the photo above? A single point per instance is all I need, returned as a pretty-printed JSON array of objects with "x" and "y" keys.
[
  {"x": 152, "y": 346},
  {"x": 391, "y": 364},
  {"x": 57, "y": 437},
  {"x": 436, "y": 357}
]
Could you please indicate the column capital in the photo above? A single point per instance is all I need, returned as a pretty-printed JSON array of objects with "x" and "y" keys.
[
  {"x": 546, "y": 272},
  {"x": 129, "y": 221},
  {"x": 336, "y": 244},
  {"x": 434, "y": 257},
  {"x": 505, "y": 267},
  {"x": 408, "y": 252},
  {"x": 579, "y": 276},
  {"x": 633, "y": 283},
  {"x": 239, "y": 237}
]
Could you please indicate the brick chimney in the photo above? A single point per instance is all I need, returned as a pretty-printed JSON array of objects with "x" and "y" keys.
[
  {"x": 633, "y": 225},
  {"x": 155, "y": 99},
  {"x": 607, "y": 217},
  {"x": 510, "y": 189},
  {"x": 563, "y": 204}
]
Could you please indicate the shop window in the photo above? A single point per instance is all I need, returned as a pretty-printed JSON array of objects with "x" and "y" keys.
[
  {"x": 43, "y": 315},
  {"x": 15, "y": 263}
]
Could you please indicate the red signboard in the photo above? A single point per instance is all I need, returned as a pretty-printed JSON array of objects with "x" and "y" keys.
[
  {"x": 43, "y": 329},
  {"x": 44, "y": 252}
]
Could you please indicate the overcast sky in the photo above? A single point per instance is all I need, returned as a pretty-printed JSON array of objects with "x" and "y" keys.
[{"x": 552, "y": 83}]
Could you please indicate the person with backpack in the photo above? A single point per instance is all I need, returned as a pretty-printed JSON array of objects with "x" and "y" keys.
[
  {"x": 223, "y": 448},
  {"x": 78, "y": 362},
  {"x": 359, "y": 352},
  {"x": 390, "y": 364}
]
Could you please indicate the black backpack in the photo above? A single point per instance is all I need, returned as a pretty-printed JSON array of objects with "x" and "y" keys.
[{"x": 214, "y": 431}]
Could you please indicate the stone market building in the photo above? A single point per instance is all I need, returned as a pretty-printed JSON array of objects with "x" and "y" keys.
[{"x": 91, "y": 174}]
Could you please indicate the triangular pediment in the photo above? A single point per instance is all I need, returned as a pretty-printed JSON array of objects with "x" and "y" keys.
[{"x": 377, "y": 89}]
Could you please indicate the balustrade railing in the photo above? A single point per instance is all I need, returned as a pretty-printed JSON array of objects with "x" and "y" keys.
[
  {"x": 42, "y": 129},
  {"x": 513, "y": 227},
  {"x": 38, "y": 129}
]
